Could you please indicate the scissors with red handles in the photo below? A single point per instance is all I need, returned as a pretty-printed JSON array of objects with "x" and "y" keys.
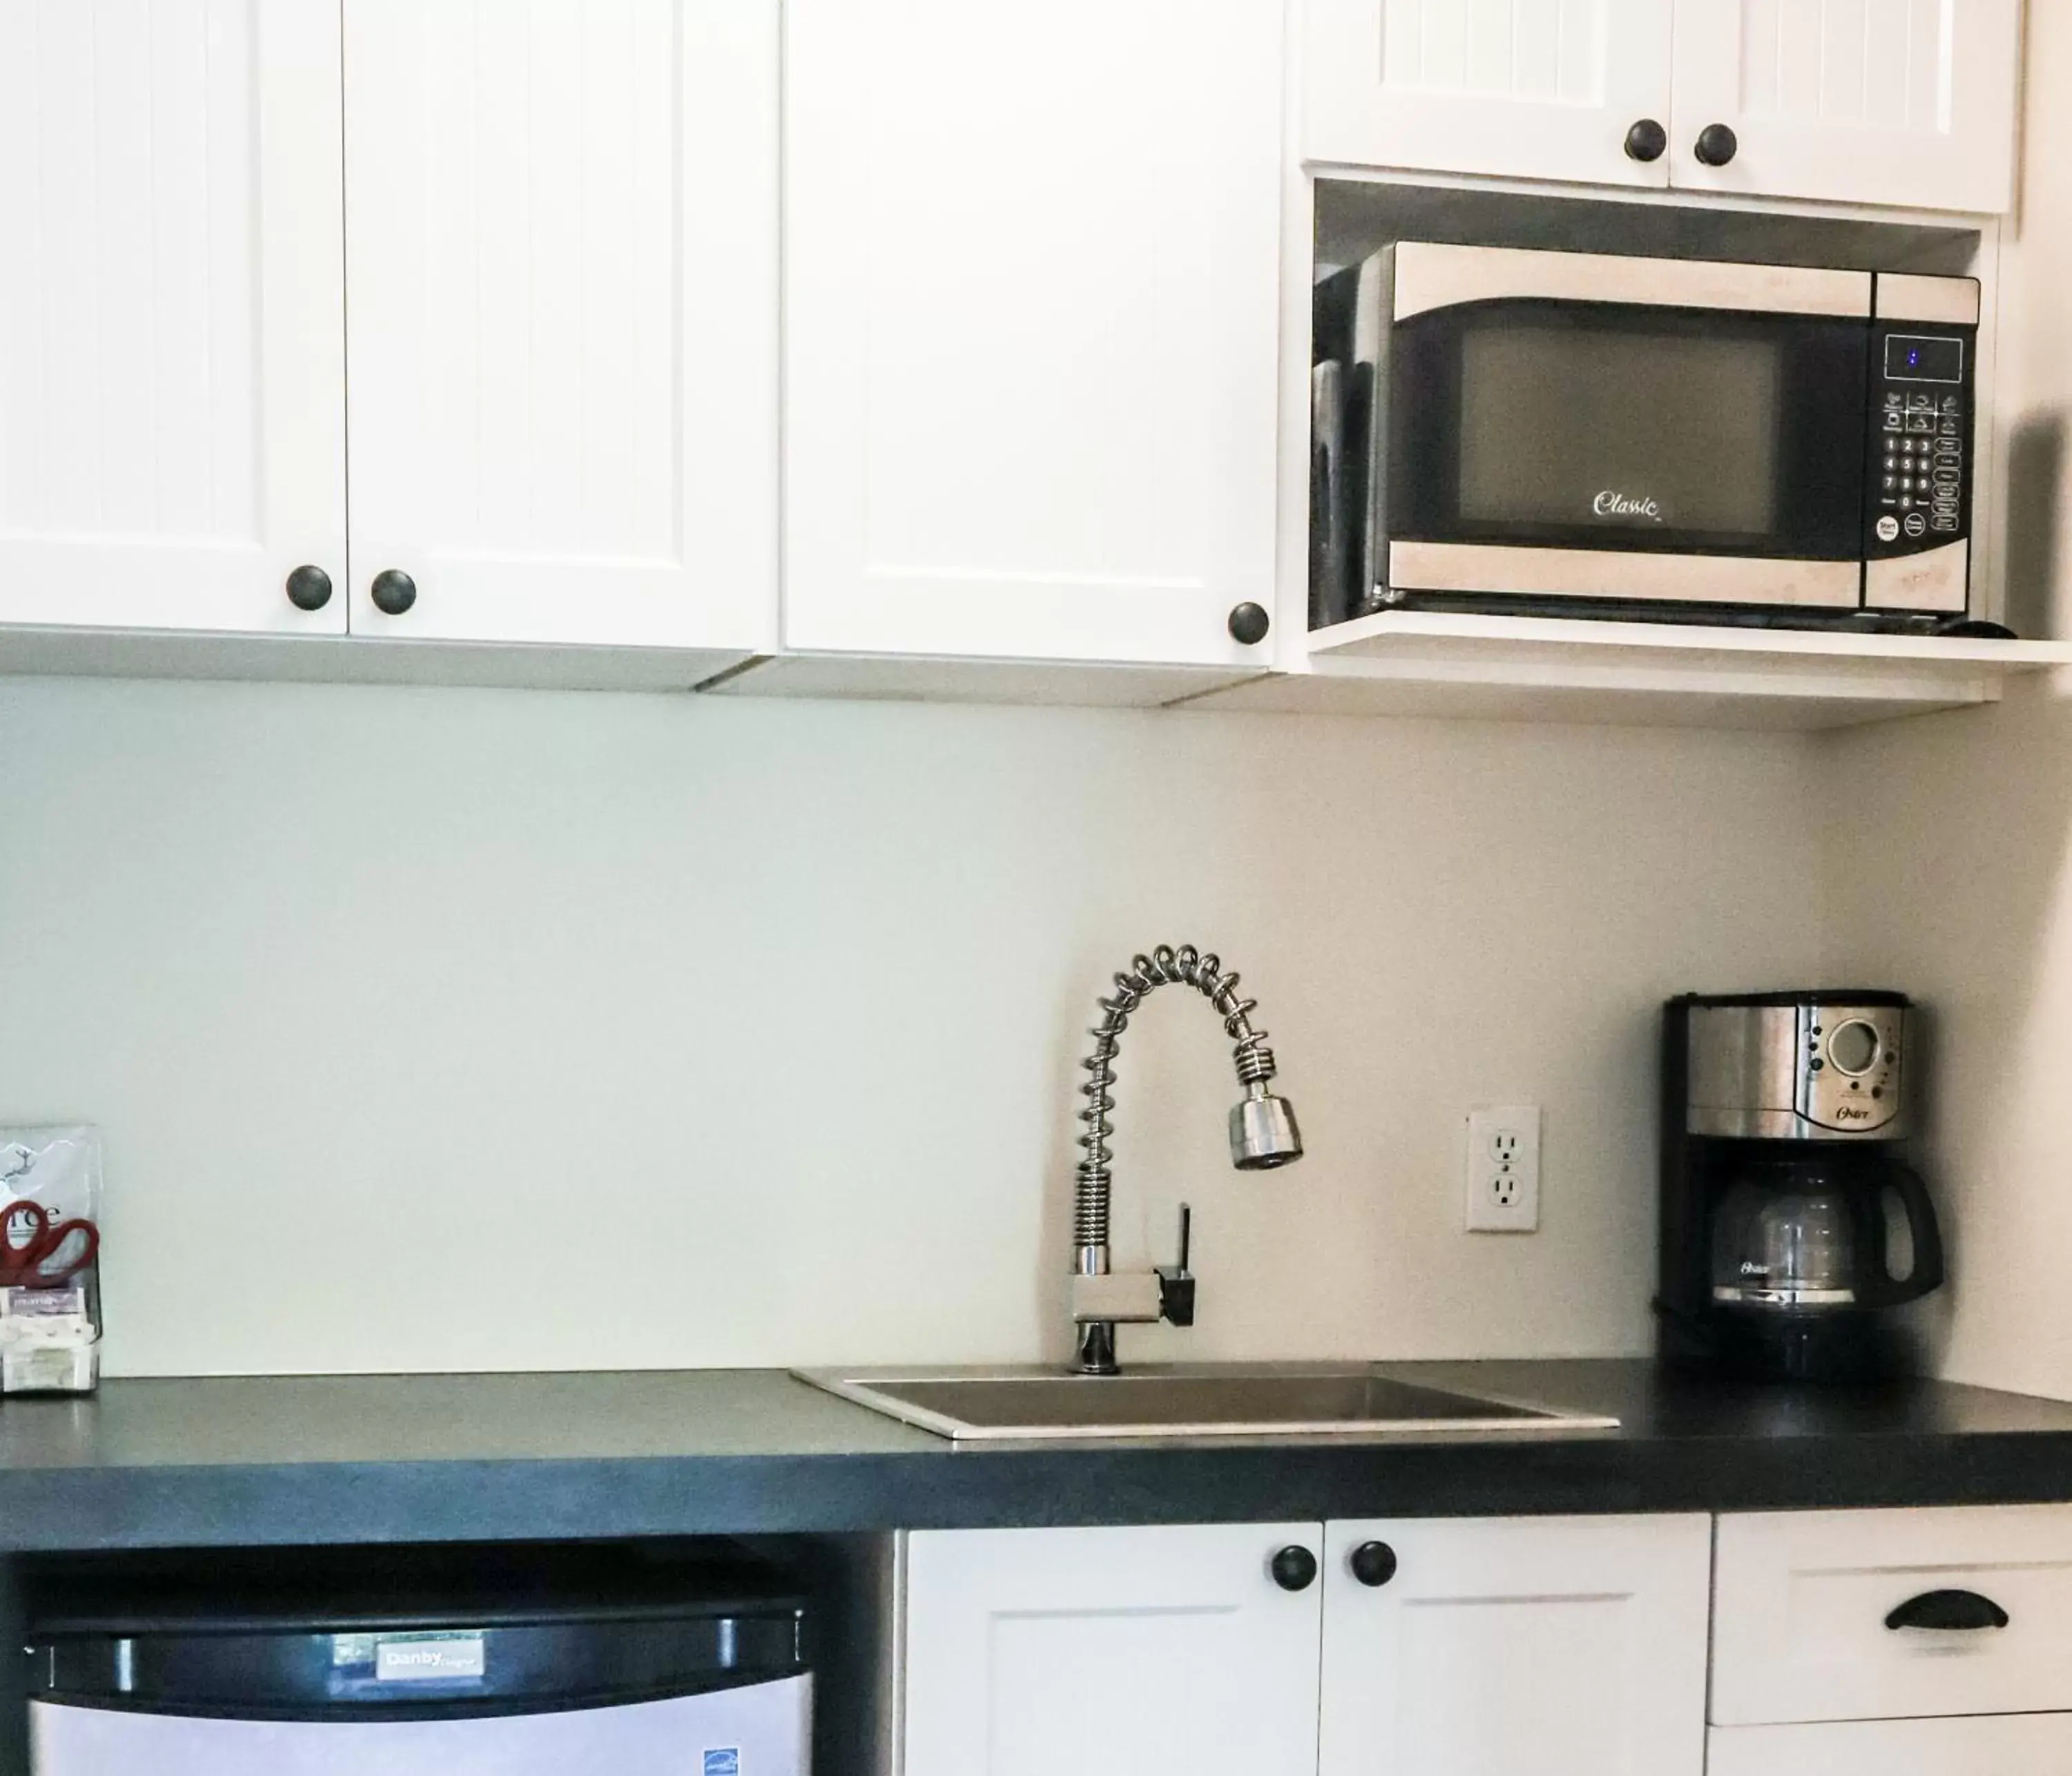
[{"x": 23, "y": 1264}]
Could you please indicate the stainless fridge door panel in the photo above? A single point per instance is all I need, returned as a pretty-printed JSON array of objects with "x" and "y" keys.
[{"x": 767, "y": 1727}]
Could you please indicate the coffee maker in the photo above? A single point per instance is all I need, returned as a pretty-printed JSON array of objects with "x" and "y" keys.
[{"x": 1784, "y": 1123}]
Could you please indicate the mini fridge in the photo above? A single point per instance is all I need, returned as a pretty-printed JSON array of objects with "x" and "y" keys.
[{"x": 395, "y": 1665}]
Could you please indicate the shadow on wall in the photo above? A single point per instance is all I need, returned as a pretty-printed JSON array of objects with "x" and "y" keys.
[
  {"x": 1949, "y": 880},
  {"x": 2035, "y": 472},
  {"x": 1949, "y": 877}
]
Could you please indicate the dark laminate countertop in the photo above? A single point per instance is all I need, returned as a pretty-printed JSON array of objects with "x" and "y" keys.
[{"x": 422, "y": 1457}]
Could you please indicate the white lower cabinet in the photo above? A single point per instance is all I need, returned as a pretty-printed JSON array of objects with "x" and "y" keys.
[
  {"x": 2008, "y": 1744},
  {"x": 1110, "y": 1652},
  {"x": 1875, "y": 1615},
  {"x": 1506, "y": 1647},
  {"x": 1892, "y": 1642},
  {"x": 1516, "y": 1646}
]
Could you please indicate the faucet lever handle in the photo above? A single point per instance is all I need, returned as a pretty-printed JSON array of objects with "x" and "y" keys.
[{"x": 1176, "y": 1282}]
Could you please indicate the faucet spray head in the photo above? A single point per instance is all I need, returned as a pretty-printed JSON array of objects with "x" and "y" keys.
[{"x": 1262, "y": 1134}]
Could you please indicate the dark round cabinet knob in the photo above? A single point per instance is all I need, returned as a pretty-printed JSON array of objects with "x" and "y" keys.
[
  {"x": 1373, "y": 1564},
  {"x": 394, "y": 591},
  {"x": 1294, "y": 1569},
  {"x": 1646, "y": 140},
  {"x": 1249, "y": 622},
  {"x": 309, "y": 588},
  {"x": 1717, "y": 145}
]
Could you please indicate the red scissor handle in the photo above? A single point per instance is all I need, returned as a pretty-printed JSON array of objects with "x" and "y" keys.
[{"x": 20, "y": 1267}]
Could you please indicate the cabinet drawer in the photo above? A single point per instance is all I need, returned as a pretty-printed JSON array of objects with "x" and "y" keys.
[
  {"x": 1801, "y": 1602},
  {"x": 2018, "y": 1744}
]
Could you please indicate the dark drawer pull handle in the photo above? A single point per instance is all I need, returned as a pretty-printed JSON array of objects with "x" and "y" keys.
[{"x": 1961, "y": 1609}]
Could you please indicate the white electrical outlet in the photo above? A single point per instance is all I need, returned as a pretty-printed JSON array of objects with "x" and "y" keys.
[{"x": 1503, "y": 1169}]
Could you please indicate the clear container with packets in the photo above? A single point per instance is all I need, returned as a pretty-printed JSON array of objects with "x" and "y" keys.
[{"x": 50, "y": 1260}]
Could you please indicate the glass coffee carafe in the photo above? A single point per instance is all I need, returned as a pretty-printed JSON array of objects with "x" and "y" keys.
[{"x": 1811, "y": 1234}]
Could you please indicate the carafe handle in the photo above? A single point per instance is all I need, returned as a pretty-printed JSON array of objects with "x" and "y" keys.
[{"x": 1925, "y": 1233}]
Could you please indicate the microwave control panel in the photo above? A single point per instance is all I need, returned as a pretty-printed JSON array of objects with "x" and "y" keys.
[{"x": 1919, "y": 485}]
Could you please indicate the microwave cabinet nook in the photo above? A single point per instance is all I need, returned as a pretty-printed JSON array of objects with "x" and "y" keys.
[{"x": 1899, "y": 105}]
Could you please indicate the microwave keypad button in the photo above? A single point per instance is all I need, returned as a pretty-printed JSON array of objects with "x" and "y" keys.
[
  {"x": 1888, "y": 528},
  {"x": 1920, "y": 422},
  {"x": 1917, "y": 525},
  {"x": 1895, "y": 422},
  {"x": 1951, "y": 405},
  {"x": 1921, "y": 404}
]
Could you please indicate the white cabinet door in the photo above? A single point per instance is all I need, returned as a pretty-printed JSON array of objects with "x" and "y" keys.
[
  {"x": 1534, "y": 89},
  {"x": 1109, "y": 1652},
  {"x": 1554, "y": 1647},
  {"x": 1031, "y": 298},
  {"x": 172, "y": 336},
  {"x": 1860, "y": 102},
  {"x": 561, "y": 269}
]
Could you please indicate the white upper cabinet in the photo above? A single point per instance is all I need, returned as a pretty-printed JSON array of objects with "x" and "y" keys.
[
  {"x": 172, "y": 336},
  {"x": 1569, "y": 1647},
  {"x": 1109, "y": 1652},
  {"x": 1031, "y": 326},
  {"x": 1865, "y": 102},
  {"x": 561, "y": 245},
  {"x": 1902, "y": 102},
  {"x": 1538, "y": 88}
]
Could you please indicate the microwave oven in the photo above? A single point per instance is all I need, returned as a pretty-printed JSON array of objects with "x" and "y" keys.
[{"x": 1518, "y": 431}]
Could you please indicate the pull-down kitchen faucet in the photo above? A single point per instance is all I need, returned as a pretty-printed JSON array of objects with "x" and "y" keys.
[{"x": 1263, "y": 1135}]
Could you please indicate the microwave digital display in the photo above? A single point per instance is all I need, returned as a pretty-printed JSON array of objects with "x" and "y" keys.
[{"x": 1917, "y": 358}]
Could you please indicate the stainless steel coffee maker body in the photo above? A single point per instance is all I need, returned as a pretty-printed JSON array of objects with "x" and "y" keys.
[
  {"x": 1791, "y": 1222},
  {"x": 1802, "y": 1068}
]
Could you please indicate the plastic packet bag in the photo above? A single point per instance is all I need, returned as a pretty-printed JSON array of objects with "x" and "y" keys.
[{"x": 50, "y": 1254}]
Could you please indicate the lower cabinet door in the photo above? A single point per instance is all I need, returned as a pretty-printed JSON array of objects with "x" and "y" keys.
[
  {"x": 1111, "y": 1652},
  {"x": 2008, "y": 1744},
  {"x": 1515, "y": 1646}
]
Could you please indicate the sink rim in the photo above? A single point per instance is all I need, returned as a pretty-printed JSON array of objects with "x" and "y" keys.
[{"x": 862, "y": 1386}]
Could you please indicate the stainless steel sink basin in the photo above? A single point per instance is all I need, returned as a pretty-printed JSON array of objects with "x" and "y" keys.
[{"x": 1187, "y": 1400}]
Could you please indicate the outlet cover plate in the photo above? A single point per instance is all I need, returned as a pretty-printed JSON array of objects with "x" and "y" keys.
[{"x": 1503, "y": 1169}]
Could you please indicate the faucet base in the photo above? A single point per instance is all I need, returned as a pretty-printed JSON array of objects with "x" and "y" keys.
[{"x": 1095, "y": 1354}]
